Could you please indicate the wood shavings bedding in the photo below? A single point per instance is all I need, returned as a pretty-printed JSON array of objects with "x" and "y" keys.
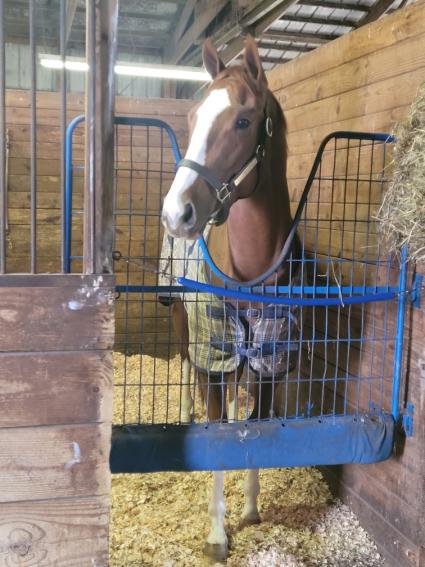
[{"x": 161, "y": 520}]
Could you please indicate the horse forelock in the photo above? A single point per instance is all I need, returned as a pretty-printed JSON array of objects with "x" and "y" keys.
[{"x": 240, "y": 84}]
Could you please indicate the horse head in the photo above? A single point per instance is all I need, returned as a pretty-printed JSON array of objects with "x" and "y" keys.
[{"x": 229, "y": 129}]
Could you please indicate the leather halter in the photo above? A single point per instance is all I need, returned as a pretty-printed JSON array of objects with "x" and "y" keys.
[{"x": 224, "y": 189}]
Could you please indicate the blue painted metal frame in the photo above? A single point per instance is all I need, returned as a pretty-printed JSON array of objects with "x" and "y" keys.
[
  {"x": 378, "y": 137},
  {"x": 123, "y": 120},
  {"x": 307, "y": 441}
]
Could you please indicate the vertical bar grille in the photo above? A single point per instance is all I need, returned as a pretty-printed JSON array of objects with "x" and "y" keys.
[
  {"x": 63, "y": 87},
  {"x": 33, "y": 182},
  {"x": 3, "y": 181}
]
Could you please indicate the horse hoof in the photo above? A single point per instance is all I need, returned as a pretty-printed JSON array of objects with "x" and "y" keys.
[
  {"x": 251, "y": 520},
  {"x": 216, "y": 551}
]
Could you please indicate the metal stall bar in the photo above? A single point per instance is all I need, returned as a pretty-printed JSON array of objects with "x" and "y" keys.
[
  {"x": 33, "y": 173},
  {"x": 63, "y": 85},
  {"x": 3, "y": 180},
  {"x": 398, "y": 354},
  {"x": 101, "y": 43},
  {"x": 67, "y": 226}
]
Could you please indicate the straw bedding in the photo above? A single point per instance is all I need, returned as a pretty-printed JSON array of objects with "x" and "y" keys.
[{"x": 161, "y": 520}]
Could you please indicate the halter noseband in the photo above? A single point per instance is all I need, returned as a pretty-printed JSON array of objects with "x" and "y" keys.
[{"x": 225, "y": 189}]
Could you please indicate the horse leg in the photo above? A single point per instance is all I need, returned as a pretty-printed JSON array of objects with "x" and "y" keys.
[
  {"x": 213, "y": 394},
  {"x": 216, "y": 546},
  {"x": 232, "y": 389},
  {"x": 263, "y": 406},
  {"x": 181, "y": 328},
  {"x": 250, "y": 514},
  {"x": 186, "y": 400},
  {"x": 262, "y": 409}
]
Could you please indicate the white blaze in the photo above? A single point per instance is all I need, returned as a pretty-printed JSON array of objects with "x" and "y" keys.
[{"x": 215, "y": 103}]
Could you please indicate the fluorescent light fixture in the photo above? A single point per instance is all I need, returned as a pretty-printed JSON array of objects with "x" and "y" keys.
[
  {"x": 157, "y": 71},
  {"x": 71, "y": 63}
]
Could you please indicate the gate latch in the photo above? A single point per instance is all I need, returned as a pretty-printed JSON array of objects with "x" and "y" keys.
[{"x": 408, "y": 420}]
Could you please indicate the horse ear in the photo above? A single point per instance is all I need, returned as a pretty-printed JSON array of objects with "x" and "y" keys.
[
  {"x": 212, "y": 62},
  {"x": 253, "y": 62}
]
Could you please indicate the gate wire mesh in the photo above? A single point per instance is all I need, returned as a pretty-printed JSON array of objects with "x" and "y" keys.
[{"x": 343, "y": 360}]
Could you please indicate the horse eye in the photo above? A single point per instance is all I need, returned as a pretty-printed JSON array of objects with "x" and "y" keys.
[{"x": 242, "y": 123}]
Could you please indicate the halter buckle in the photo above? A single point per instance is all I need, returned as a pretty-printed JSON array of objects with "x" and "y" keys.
[
  {"x": 223, "y": 193},
  {"x": 260, "y": 152},
  {"x": 269, "y": 127}
]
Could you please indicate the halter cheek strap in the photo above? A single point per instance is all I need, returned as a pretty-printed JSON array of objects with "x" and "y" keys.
[{"x": 225, "y": 189}]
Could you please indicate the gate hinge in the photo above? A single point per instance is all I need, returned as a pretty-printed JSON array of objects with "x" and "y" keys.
[
  {"x": 415, "y": 293},
  {"x": 407, "y": 420}
]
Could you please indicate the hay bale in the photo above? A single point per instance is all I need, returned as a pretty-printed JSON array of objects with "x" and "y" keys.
[
  {"x": 402, "y": 213},
  {"x": 161, "y": 520}
]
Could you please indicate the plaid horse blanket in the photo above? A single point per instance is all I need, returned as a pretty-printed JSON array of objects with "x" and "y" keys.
[{"x": 224, "y": 335}]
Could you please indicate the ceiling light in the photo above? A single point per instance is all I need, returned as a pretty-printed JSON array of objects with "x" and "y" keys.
[
  {"x": 162, "y": 72},
  {"x": 71, "y": 64},
  {"x": 157, "y": 71}
]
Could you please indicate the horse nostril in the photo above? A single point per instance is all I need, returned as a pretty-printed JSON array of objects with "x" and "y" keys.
[{"x": 188, "y": 213}]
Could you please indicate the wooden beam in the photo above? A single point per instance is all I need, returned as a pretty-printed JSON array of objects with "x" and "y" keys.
[
  {"x": 313, "y": 38},
  {"x": 102, "y": 16},
  {"x": 376, "y": 12},
  {"x": 129, "y": 13},
  {"x": 328, "y": 4},
  {"x": 71, "y": 8},
  {"x": 317, "y": 20},
  {"x": 267, "y": 59},
  {"x": 276, "y": 10},
  {"x": 176, "y": 50},
  {"x": 184, "y": 19},
  {"x": 275, "y": 60},
  {"x": 283, "y": 47},
  {"x": 262, "y": 10}
]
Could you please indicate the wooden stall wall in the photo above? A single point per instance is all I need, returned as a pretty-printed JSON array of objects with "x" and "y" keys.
[
  {"x": 366, "y": 81},
  {"x": 144, "y": 191},
  {"x": 56, "y": 338}
]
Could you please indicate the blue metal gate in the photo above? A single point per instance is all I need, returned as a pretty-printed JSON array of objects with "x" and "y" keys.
[{"x": 351, "y": 296}]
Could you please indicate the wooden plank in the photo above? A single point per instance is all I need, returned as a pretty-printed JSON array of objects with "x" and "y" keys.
[
  {"x": 55, "y": 388},
  {"x": 403, "y": 24},
  {"x": 63, "y": 532},
  {"x": 75, "y": 103},
  {"x": 303, "y": 141},
  {"x": 138, "y": 137},
  {"x": 37, "y": 463},
  {"x": 136, "y": 154},
  {"x": 75, "y": 316},
  {"x": 385, "y": 94},
  {"x": 403, "y": 57}
]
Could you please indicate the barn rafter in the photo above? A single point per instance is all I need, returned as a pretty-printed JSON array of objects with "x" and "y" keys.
[{"x": 173, "y": 30}]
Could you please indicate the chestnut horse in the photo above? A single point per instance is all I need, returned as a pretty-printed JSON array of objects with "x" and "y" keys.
[{"x": 237, "y": 133}]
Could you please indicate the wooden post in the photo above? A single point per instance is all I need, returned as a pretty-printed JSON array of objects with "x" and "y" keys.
[{"x": 101, "y": 33}]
